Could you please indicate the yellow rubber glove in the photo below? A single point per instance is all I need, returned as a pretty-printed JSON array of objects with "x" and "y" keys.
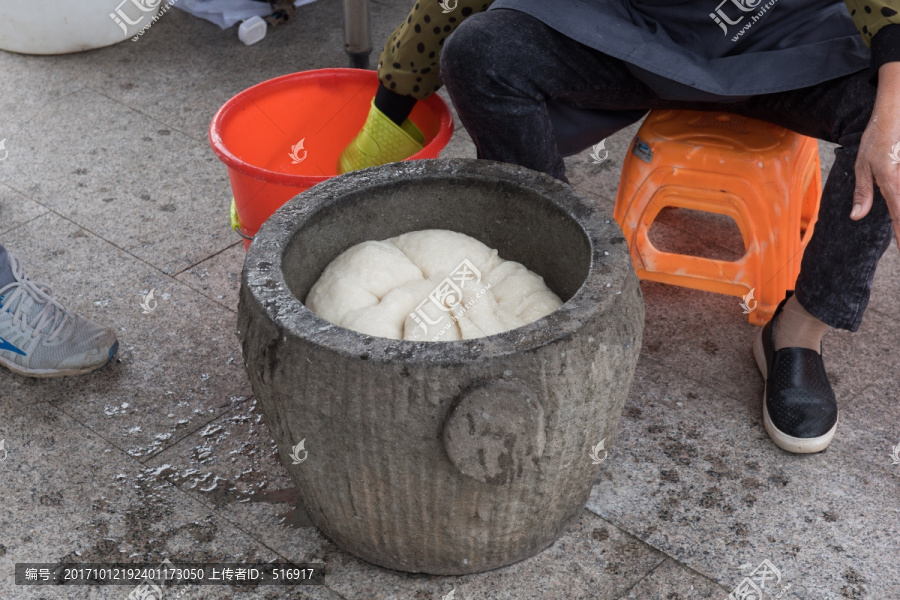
[
  {"x": 380, "y": 141},
  {"x": 235, "y": 220}
]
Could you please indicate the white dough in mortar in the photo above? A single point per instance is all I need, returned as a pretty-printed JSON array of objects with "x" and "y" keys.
[{"x": 408, "y": 288}]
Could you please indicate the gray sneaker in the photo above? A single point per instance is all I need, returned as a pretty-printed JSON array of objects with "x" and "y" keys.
[{"x": 40, "y": 338}]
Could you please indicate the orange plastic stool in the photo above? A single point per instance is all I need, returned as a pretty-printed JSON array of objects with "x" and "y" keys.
[{"x": 761, "y": 175}]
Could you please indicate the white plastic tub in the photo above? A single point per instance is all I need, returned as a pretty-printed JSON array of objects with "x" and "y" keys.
[{"x": 62, "y": 26}]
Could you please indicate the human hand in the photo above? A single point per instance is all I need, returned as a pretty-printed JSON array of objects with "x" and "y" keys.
[{"x": 878, "y": 161}]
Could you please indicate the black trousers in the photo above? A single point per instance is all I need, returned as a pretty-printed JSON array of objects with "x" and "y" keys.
[{"x": 503, "y": 69}]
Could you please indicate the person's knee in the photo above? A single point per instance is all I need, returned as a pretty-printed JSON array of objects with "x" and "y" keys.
[
  {"x": 460, "y": 51},
  {"x": 471, "y": 51}
]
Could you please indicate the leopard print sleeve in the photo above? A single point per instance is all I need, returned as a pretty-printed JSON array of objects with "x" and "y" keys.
[
  {"x": 871, "y": 15},
  {"x": 878, "y": 22},
  {"x": 409, "y": 61}
]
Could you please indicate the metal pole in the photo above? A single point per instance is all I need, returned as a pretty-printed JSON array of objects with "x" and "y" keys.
[{"x": 357, "y": 34}]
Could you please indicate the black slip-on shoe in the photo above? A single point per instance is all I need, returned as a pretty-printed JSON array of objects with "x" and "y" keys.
[{"x": 799, "y": 408}]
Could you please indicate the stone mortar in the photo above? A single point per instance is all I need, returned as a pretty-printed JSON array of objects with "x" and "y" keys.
[{"x": 443, "y": 457}]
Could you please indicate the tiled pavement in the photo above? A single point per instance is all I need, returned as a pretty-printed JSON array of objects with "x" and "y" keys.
[{"x": 110, "y": 190}]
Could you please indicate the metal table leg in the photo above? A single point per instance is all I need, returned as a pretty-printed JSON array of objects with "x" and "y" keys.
[{"x": 357, "y": 34}]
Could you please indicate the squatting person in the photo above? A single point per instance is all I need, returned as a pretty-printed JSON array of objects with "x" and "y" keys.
[{"x": 801, "y": 64}]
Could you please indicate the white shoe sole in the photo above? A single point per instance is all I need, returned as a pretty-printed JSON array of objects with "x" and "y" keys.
[
  {"x": 51, "y": 373},
  {"x": 781, "y": 439}
]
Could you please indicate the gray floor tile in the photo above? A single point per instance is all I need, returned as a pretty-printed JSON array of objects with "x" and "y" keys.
[
  {"x": 269, "y": 592},
  {"x": 232, "y": 465},
  {"x": 826, "y": 158},
  {"x": 602, "y": 179},
  {"x": 870, "y": 428},
  {"x": 16, "y": 209},
  {"x": 68, "y": 496},
  {"x": 137, "y": 184},
  {"x": 310, "y": 592},
  {"x": 856, "y": 360},
  {"x": 178, "y": 367},
  {"x": 212, "y": 65},
  {"x": 706, "y": 337},
  {"x": 218, "y": 277},
  {"x": 703, "y": 335},
  {"x": 31, "y": 83},
  {"x": 671, "y": 581},
  {"x": 872, "y": 425},
  {"x": 593, "y": 560},
  {"x": 694, "y": 475},
  {"x": 181, "y": 71}
]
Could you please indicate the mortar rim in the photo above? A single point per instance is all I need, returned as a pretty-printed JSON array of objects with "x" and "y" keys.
[{"x": 590, "y": 301}]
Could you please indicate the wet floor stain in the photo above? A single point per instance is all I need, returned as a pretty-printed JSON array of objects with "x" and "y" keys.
[{"x": 296, "y": 517}]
